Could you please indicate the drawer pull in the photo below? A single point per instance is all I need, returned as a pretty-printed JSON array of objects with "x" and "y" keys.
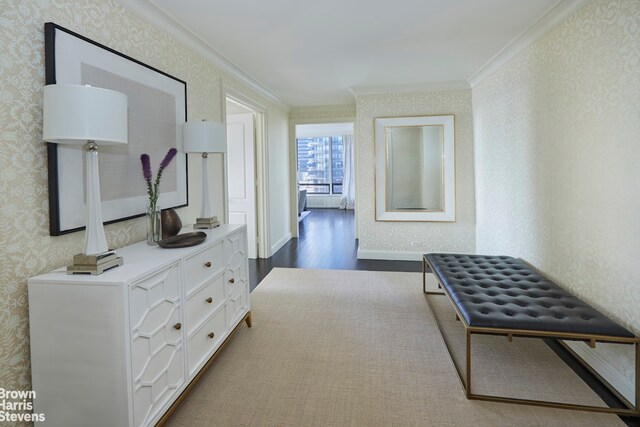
[
  {"x": 177, "y": 326},
  {"x": 207, "y": 264},
  {"x": 211, "y": 334},
  {"x": 232, "y": 280},
  {"x": 209, "y": 300}
]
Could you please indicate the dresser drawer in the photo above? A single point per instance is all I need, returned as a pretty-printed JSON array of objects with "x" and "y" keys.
[
  {"x": 157, "y": 355},
  {"x": 237, "y": 303},
  {"x": 204, "y": 342},
  {"x": 204, "y": 301},
  {"x": 202, "y": 266},
  {"x": 153, "y": 299}
]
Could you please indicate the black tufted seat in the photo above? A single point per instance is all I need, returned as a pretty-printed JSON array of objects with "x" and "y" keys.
[{"x": 502, "y": 292}]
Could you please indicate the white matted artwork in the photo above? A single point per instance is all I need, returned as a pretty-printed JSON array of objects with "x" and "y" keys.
[{"x": 156, "y": 112}]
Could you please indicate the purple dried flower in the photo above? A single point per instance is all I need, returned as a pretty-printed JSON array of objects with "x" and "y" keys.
[
  {"x": 146, "y": 167},
  {"x": 167, "y": 159},
  {"x": 153, "y": 188}
]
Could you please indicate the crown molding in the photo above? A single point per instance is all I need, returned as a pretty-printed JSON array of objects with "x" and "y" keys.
[
  {"x": 408, "y": 88},
  {"x": 147, "y": 10},
  {"x": 556, "y": 15}
]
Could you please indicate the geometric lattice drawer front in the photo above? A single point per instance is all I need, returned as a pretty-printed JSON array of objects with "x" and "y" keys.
[
  {"x": 235, "y": 249},
  {"x": 236, "y": 304},
  {"x": 156, "y": 342},
  {"x": 236, "y": 277},
  {"x": 235, "y": 260}
]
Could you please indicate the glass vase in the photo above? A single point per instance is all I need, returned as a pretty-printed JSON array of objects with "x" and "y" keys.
[{"x": 154, "y": 225}]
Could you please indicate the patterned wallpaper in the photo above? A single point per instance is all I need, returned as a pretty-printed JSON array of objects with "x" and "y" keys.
[
  {"x": 416, "y": 237},
  {"x": 322, "y": 112},
  {"x": 27, "y": 248},
  {"x": 558, "y": 159}
]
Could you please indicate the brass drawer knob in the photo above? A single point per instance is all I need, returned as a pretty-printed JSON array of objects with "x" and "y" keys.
[
  {"x": 207, "y": 264},
  {"x": 177, "y": 326},
  {"x": 209, "y": 300},
  {"x": 232, "y": 280},
  {"x": 211, "y": 334}
]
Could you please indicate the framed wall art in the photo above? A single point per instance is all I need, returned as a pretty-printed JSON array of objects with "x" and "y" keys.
[{"x": 157, "y": 104}]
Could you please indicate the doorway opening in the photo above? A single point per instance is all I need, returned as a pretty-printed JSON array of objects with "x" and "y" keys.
[
  {"x": 245, "y": 183},
  {"x": 325, "y": 168}
]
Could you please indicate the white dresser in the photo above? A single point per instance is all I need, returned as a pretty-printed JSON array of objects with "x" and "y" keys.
[{"x": 118, "y": 349}]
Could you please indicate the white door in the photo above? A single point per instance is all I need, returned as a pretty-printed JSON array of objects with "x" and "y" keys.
[{"x": 241, "y": 176}]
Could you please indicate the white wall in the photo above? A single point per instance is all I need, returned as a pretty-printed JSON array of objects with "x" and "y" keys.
[
  {"x": 558, "y": 161},
  {"x": 409, "y": 240},
  {"x": 279, "y": 178},
  {"x": 317, "y": 130}
]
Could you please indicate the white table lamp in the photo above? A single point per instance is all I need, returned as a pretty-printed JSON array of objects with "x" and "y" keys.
[
  {"x": 205, "y": 137},
  {"x": 90, "y": 116}
]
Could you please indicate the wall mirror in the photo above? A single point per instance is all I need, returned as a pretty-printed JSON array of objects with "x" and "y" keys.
[{"x": 415, "y": 168}]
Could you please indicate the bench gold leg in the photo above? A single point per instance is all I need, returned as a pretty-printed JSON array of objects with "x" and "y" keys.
[
  {"x": 424, "y": 276},
  {"x": 468, "y": 385},
  {"x": 629, "y": 410},
  {"x": 465, "y": 377},
  {"x": 426, "y": 269},
  {"x": 637, "y": 346}
]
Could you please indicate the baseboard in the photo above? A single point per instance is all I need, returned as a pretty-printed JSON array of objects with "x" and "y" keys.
[
  {"x": 276, "y": 247},
  {"x": 390, "y": 255},
  {"x": 605, "y": 369}
]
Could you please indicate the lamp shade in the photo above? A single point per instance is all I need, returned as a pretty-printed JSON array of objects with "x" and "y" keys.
[
  {"x": 204, "y": 137},
  {"x": 74, "y": 114}
]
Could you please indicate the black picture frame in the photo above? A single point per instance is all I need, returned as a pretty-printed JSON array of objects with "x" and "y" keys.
[{"x": 116, "y": 210}]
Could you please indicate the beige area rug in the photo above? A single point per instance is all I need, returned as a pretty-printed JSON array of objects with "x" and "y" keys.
[{"x": 360, "y": 348}]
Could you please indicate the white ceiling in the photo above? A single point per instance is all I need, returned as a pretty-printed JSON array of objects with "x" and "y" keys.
[{"x": 313, "y": 52}]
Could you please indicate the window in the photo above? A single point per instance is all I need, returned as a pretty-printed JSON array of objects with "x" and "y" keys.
[{"x": 320, "y": 164}]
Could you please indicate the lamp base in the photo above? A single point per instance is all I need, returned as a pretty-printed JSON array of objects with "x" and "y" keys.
[
  {"x": 94, "y": 264},
  {"x": 206, "y": 223}
]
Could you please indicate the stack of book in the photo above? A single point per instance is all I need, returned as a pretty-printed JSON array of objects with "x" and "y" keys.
[
  {"x": 94, "y": 264},
  {"x": 207, "y": 222}
]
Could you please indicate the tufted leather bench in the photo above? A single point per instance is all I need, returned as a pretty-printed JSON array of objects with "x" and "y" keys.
[
  {"x": 501, "y": 295},
  {"x": 502, "y": 292}
]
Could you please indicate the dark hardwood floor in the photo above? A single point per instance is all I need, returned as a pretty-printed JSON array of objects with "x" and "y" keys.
[{"x": 326, "y": 241}]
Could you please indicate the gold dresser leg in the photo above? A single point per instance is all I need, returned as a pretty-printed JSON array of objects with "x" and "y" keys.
[{"x": 247, "y": 319}]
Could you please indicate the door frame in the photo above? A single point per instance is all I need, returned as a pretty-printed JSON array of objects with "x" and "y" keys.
[
  {"x": 293, "y": 166},
  {"x": 260, "y": 116}
]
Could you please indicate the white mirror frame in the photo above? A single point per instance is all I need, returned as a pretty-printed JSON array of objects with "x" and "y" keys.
[{"x": 448, "y": 214}]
